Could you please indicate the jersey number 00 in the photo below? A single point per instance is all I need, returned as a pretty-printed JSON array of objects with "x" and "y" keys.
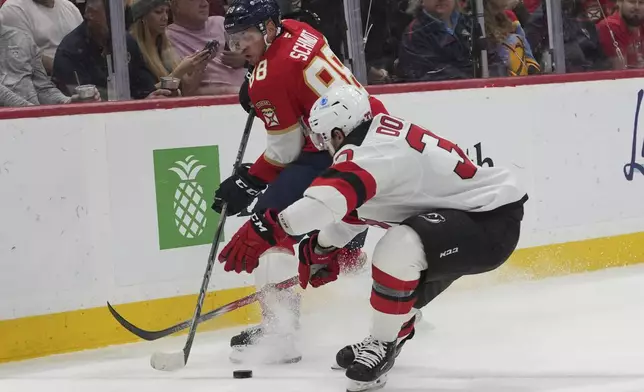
[{"x": 415, "y": 138}]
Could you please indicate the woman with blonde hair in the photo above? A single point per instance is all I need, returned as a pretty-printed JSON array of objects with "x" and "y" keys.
[
  {"x": 149, "y": 30},
  {"x": 507, "y": 40}
]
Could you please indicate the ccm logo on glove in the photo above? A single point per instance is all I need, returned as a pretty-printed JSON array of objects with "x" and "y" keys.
[
  {"x": 259, "y": 225},
  {"x": 260, "y": 233},
  {"x": 238, "y": 191},
  {"x": 242, "y": 185}
]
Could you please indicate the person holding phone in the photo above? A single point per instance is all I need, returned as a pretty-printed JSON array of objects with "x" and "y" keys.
[
  {"x": 149, "y": 30},
  {"x": 193, "y": 31}
]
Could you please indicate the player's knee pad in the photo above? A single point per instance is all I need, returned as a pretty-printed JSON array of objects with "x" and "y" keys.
[
  {"x": 399, "y": 253},
  {"x": 275, "y": 265}
]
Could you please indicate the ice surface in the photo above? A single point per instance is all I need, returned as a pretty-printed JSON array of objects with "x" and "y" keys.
[{"x": 580, "y": 333}]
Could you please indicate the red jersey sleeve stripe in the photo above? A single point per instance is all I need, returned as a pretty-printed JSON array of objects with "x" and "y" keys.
[
  {"x": 353, "y": 182},
  {"x": 341, "y": 186}
]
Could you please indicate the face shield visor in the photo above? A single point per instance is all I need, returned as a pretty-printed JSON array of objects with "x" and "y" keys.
[{"x": 240, "y": 40}]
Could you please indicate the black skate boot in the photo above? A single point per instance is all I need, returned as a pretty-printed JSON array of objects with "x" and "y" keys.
[
  {"x": 247, "y": 337},
  {"x": 369, "y": 370},
  {"x": 273, "y": 341},
  {"x": 260, "y": 344},
  {"x": 347, "y": 354}
]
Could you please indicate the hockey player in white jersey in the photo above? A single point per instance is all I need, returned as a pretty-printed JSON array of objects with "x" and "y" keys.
[{"x": 445, "y": 217}]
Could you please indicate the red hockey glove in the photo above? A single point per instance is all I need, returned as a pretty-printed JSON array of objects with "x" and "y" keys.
[
  {"x": 255, "y": 237},
  {"x": 318, "y": 265}
]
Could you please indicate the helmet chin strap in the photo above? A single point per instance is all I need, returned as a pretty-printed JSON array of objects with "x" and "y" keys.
[{"x": 330, "y": 148}]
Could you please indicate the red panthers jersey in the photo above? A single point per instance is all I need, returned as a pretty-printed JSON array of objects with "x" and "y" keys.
[{"x": 297, "y": 68}]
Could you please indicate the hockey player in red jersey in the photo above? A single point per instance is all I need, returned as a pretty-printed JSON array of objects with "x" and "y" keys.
[
  {"x": 445, "y": 217},
  {"x": 292, "y": 67}
]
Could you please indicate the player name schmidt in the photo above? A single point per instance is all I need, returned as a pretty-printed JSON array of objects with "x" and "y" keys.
[{"x": 304, "y": 46}]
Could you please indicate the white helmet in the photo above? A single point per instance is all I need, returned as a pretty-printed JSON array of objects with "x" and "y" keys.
[{"x": 344, "y": 108}]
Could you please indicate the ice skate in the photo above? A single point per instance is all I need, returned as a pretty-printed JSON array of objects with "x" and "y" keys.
[
  {"x": 259, "y": 346},
  {"x": 347, "y": 354},
  {"x": 274, "y": 340},
  {"x": 247, "y": 337},
  {"x": 369, "y": 370}
]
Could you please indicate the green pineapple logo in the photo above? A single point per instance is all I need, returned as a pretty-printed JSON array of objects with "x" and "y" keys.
[
  {"x": 185, "y": 181},
  {"x": 189, "y": 204}
]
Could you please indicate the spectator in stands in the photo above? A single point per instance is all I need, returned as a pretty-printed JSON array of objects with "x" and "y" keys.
[
  {"x": 216, "y": 7},
  {"x": 385, "y": 22},
  {"x": 191, "y": 31},
  {"x": 332, "y": 23},
  {"x": 149, "y": 31},
  {"x": 82, "y": 54},
  {"x": 517, "y": 11},
  {"x": 582, "y": 49},
  {"x": 509, "y": 53},
  {"x": 622, "y": 35},
  {"x": 23, "y": 80},
  {"x": 596, "y": 10},
  {"x": 437, "y": 45},
  {"x": 47, "y": 21}
]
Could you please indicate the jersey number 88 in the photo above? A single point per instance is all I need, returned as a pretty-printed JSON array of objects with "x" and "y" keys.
[
  {"x": 259, "y": 73},
  {"x": 326, "y": 71}
]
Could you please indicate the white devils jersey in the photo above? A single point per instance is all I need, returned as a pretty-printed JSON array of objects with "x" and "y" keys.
[{"x": 401, "y": 169}]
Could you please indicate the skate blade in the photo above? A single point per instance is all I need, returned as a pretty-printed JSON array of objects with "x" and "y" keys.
[
  {"x": 237, "y": 356},
  {"x": 335, "y": 366},
  {"x": 280, "y": 362},
  {"x": 362, "y": 386}
]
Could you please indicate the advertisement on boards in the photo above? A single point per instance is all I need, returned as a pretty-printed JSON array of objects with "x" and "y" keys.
[{"x": 185, "y": 180}]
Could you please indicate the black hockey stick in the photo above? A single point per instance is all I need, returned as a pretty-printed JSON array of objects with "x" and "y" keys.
[
  {"x": 178, "y": 360},
  {"x": 154, "y": 335}
]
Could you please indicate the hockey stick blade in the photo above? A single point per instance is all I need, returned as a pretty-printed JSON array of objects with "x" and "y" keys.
[
  {"x": 168, "y": 362},
  {"x": 154, "y": 335}
]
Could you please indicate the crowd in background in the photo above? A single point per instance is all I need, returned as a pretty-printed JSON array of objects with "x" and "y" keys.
[
  {"x": 50, "y": 47},
  {"x": 430, "y": 40}
]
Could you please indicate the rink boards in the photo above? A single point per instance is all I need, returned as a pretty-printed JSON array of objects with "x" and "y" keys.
[{"x": 111, "y": 203}]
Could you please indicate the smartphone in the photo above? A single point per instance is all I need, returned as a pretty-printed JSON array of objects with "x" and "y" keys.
[{"x": 211, "y": 46}]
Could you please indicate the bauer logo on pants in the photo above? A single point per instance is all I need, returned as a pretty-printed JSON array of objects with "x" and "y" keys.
[{"x": 185, "y": 181}]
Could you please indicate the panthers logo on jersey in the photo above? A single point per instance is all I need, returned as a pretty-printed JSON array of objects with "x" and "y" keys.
[{"x": 268, "y": 113}]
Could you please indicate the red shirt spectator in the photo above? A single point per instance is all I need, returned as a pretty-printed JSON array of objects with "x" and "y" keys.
[{"x": 625, "y": 45}]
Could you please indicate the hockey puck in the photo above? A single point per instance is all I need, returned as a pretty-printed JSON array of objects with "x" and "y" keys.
[{"x": 243, "y": 374}]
